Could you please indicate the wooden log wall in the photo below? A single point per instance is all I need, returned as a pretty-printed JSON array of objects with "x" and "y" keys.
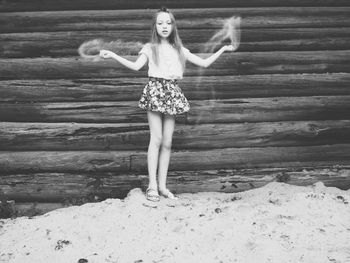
[{"x": 277, "y": 109}]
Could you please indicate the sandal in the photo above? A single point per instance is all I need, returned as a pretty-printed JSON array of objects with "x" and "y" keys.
[
  {"x": 152, "y": 195},
  {"x": 167, "y": 194}
]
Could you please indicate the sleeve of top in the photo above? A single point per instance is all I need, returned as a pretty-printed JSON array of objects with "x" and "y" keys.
[
  {"x": 146, "y": 49},
  {"x": 186, "y": 52}
]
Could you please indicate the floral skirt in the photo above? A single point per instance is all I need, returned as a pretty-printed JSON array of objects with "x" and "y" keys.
[{"x": 164, "y": 96}]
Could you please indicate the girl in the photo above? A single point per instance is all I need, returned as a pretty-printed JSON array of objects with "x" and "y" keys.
[{"x": 162, "y": 98}]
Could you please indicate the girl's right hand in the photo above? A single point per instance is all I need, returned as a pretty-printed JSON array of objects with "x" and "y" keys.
[{"x": 106, "y": 53}]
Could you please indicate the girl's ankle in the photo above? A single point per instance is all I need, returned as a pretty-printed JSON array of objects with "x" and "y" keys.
[
  {"x": 152, "y": 186},
  {"x": 162, "y": 189}
]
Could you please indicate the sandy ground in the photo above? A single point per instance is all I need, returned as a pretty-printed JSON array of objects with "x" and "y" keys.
[{"x": 276, "y": 223}]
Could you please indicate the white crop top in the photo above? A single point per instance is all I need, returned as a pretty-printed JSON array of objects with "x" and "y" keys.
[{"x": 169, "y": 66}]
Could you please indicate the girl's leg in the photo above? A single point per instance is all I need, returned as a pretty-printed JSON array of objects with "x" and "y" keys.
[
  {"x": 164, "y": 156},
  {"x": 155, "y": 126}
]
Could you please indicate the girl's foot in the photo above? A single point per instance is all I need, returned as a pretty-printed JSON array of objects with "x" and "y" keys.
[
  {"x": 167, "y": 194},
  {"x": 152, "y": 195}
]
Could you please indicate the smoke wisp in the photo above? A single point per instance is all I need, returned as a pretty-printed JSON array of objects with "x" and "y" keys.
[
  {"x": 90, "y": 49},
  {"x": 231, "y": 31}
]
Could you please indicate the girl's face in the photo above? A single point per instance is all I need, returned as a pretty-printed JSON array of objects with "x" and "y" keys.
[{"x": 164, "y": 25}]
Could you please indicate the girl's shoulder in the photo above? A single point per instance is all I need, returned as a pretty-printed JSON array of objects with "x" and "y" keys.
[
  {"x": 146, "y": 49},
  {"x": 184, "y": 49},
  {"x": 147, "y": 45}
]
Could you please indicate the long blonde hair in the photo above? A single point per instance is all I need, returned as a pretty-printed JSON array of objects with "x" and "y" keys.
[{"x": 174, "y": 38}]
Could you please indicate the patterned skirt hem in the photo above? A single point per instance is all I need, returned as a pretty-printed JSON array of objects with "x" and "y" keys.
[
  {"x": 164, "y": 96},
  {"x": 163, "y": 111}
]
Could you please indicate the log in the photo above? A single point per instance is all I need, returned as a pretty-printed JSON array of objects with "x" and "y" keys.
[
  {"x": 65, "y": 44},
  {"x": 73, "y": 189},
  {"x": 114, "y": 25},
  {"x": 56, "y": 50},
  {"x": 68, "y": 188},
  {"x": 193, "y": 35},
  {"x": 111, "y": 20},
  {"x": 50, "y": 5},
  {"x": 244, "y": 63},
  {"x": 237, "y": 180},
  {"x": 263, "y": 157},
  {"x": 73, "y": 136},
  {"x": 98, "y": 137},
  {"x": 270, "y": 109},
  {"x": 205, "y": 111},
  {"x": 89, "y": 161},
  {"x": 120, "y": 162},
  {"x": 195, "y": 88},
  {"x": 99, "y": 112}
]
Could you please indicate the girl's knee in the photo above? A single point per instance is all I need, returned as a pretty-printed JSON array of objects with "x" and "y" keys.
[
  {"x": 156, "y": 140},
  {"x": 166, "y": 143}
]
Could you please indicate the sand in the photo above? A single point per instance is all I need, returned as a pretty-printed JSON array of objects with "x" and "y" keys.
[{"x": 276, "y": 223}]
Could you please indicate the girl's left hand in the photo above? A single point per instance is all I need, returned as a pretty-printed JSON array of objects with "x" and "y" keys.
[{"x": 230, "y": 48}]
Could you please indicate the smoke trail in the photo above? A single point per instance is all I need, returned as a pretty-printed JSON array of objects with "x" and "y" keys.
[
  {"x": 230, "y": 31},
  {"x": 90, "y": 49}
]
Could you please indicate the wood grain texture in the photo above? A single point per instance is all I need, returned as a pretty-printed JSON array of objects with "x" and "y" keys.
[
  {"x": 65, "y": 161},
  {"x": 264, "y": 157},
  {"x": 65, "y": 187},
  {"x": 202, "y": 111},
  {"x": 50, "y": 5},
  {"x": 276, "y": 110},
  {"x": 65, "y": 44},
  {"x": 58, "y": 34},
  {"x": 237, "y": 180},
  {"x": 244, "y": 63},
  {"x": 69, "y": 188},
  {"x": 131, "y": 161},
  {"x": 269, "y": 109},
  {"x": 120, "y": 137},
  {"x": 195, "y": 88}
]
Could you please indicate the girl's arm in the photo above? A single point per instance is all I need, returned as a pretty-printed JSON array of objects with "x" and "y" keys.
[
  {"x": 208, "y": 61},
  {"x": 137, "y": 65}
]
